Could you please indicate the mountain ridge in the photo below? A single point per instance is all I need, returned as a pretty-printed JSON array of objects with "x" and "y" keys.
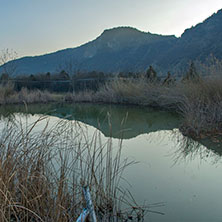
[{"x": 129, "y": 49}]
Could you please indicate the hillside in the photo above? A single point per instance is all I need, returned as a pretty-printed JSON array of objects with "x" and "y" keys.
[
  {"x": 128, "y": 49},
  {"x": 196, "y": 43}
]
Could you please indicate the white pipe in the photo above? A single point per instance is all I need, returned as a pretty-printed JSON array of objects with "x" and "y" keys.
[{"x": 89, "y": 204}]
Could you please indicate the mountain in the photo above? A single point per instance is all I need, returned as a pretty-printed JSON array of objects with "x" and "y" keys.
[
  {"x": 196, "y": 43},
  {"x": 116, "y": 49},
  {"x": 128, "y": 49}
]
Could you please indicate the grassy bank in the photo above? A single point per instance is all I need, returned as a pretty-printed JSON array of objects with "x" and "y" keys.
[
  {"x": 9, "y": 96},
  {"x": 43, "y": 167},
  {"x": 199, "y": 102}
]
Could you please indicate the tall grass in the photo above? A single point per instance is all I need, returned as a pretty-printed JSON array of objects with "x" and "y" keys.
[
  {"x": 44, "y": 165},
  {"x": 9, "y": 96},
  {"x": 6, "y": 90},
  {"x": 130, "y": 91},
  {"x": 202, "y": 108}
]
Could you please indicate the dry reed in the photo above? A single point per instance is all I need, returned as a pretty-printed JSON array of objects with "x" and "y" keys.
[
  {"x": 43, "y": 167},
  {"x": 9, "y": 96}
]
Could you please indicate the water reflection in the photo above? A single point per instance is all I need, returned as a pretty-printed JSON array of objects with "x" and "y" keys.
[
  {"x": 189, "y": 149},
  {"x": 173, "y": 169},
  {"x": 126, "y": 122}
]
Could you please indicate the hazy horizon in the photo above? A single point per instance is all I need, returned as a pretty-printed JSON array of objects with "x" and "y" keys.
[{"x": 34, "y": 28}]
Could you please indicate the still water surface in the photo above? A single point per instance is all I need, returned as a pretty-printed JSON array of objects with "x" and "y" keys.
[{"x": 183, "y": 174}]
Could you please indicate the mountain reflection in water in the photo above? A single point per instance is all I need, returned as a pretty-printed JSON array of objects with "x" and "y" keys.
[{"x": 122, "y": 122}]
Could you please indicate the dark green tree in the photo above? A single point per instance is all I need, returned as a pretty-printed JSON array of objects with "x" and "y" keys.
[
  {"x": 32, "y": 78},
  {"x": 48, "y": 76},
  {"x": 169, "y": 80},
  {"x": 151, "y": 75},
  {"x": 4, "y": 78},
  {"x": 63, "y": 75},
  {"x": 192, "y": 74}
]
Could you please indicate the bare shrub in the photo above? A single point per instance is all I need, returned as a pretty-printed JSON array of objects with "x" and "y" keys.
[{"x": 7, "y": 57}]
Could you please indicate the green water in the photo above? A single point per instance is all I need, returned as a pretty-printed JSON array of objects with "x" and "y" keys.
[{"x": 184, "y": 174}]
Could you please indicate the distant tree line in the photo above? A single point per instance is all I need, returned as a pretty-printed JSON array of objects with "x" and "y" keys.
[
  {"x": 60, "y": 82},
  {"x": 63, "y": 82}
]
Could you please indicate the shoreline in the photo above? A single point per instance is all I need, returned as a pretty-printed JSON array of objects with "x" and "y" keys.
[
  {"x": 198, "y": 103},
  {"x": 183, "y": 130}
]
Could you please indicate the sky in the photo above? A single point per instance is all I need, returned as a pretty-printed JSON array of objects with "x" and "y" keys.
[{"x": 35, "y": 27}]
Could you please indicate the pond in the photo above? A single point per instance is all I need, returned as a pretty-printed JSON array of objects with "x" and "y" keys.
[{"x": 184, "y": 175}]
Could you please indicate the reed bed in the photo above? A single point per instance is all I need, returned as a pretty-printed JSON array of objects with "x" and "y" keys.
[
  {"x": 201, "y": 108},
  {"x": 44, "y": 166},
  {"x": 129, "y": 91},
  {"x": 9, "y": 96}
]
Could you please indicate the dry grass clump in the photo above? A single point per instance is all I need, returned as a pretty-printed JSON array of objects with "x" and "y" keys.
[
  {"x": 44, "y": 166},
  {"x": 122, "y": 91},
  {"x": 130, "y": 91},
  {"x": 82, "y": 96},
  {"x": 9, "y": 96},
  {"x": 6, "y": 90},
  {"x": 37, "y": 96},
  {"x": 202, "y": 108},
  {"x": 140, "y": 92}
]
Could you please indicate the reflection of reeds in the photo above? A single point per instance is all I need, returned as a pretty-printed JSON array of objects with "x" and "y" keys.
[
  {"x": 189, "y": 149},
  {"x": 43, "y": 170}
]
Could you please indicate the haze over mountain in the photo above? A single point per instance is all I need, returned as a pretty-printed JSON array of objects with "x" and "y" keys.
[{"x": 128, "y": 49}]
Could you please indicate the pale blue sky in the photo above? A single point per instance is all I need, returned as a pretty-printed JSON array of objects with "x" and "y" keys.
[{"x": 33, "y": 27}]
